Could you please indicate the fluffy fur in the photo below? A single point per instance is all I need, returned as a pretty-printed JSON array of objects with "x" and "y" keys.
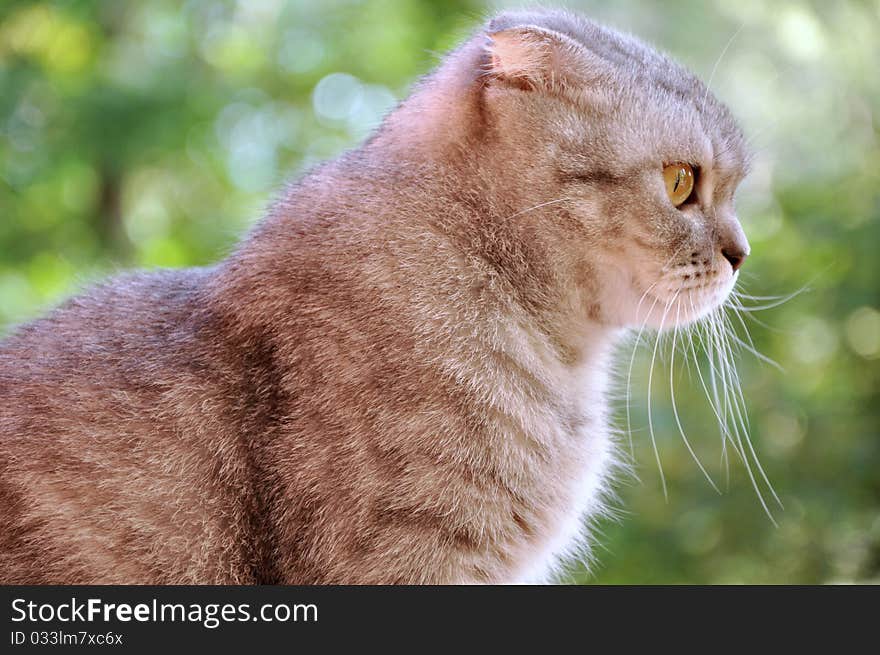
[{"x": 400, "y": 375}]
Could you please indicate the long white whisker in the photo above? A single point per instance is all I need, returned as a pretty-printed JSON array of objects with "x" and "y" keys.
[
  {"x": 650, "y": 381},
  {"x": 750, "y": 346},
  {"x": 721, "y": 369},
  {"x": 675, "y": 408},
  {"x": 737, "y": 387},
  {"x": 632, "y": 360},
  {"x": 774, "y": 301},
  {"x": 738, "y": 422},
  {"x": 636, "y": 346},
  {"x": 714, "y": 405}
]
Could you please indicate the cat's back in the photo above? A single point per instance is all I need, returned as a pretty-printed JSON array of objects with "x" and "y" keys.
[
  {"x": 125, "y": 335},
  {"x": 100, "y": 317},
  {"x": 110, "y": 425}
]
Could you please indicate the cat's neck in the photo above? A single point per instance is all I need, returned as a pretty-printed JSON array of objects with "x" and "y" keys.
[{"x": 431, "y": 234}]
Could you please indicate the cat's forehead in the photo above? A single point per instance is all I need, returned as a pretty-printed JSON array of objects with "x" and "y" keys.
[
  {"x": 671, "y": 101},
  {"x": 679, "y": 120}
]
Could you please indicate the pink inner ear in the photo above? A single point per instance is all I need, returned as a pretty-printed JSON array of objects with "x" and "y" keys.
[
  {"x": 529, "y": 57},
  {"x": 517, "y": 54}
]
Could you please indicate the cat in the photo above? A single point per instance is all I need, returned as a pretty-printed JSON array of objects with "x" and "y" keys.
[{"x": 401, "y": 374}]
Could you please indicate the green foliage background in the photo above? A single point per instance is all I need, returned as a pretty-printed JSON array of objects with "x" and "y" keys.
[{"x": 144, "y": 134}]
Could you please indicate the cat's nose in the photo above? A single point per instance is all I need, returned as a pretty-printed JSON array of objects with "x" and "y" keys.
[
  {"x": 735, "y": 255},
  {"x": 733, "y": 242}
]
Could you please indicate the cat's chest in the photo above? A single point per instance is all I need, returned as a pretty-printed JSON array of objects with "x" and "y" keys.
[
  {"x": 564, "y": 486},
  {"x": 578, "y": 487}
]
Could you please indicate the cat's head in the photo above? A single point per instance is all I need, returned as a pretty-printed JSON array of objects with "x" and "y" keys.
[{"x": 588, "y": 120}]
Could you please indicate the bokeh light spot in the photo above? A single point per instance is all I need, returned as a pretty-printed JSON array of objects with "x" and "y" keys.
[{"x": 863, "y": 332}]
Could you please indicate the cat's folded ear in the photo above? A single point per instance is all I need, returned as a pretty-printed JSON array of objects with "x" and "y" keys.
[{"x": 532, "y": 58}]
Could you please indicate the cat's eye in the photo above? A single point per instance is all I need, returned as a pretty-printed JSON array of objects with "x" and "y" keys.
[{"x": 679, "y": 180}]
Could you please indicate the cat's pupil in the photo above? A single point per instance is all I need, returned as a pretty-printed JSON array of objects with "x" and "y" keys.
[{"x": 679, "y": 180}]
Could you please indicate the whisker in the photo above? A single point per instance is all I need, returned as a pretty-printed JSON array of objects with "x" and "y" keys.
[
  {"x": 538, "y": 206},
  {"x": 764, "y": 325},
  {"x": 738, "y": 390},
  {"x": 713, "y": 404},
  {"x": 631, "y": 362},
  {"x": 650, "y": 381},
  {"x": 750, "y": 346},
  {"x": 717, "y": 62},
  {"x": 737, "y": 423},
  {"x": 774, "y": 301},
  {"x": 636, "y": 346},
  {"x": 720, "y": 369},
  {"x": 675, "y": 408}
]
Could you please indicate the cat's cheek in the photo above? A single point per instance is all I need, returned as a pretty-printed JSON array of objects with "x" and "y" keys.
[{"x": 618, "y": 296}]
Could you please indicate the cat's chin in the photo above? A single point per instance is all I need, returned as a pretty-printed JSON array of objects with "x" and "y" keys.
[
  {"x": 680, "y": 306},
  {"x": 693, "y": 304}
]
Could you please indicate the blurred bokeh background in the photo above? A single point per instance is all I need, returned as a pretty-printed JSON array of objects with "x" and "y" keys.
[{"x": 153, "y": 133}]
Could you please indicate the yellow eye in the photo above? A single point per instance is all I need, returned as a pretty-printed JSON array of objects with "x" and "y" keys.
[{"x": 679, "y": 179}]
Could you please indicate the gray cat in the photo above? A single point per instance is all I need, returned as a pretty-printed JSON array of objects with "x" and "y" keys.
[{"x": 400, "y": 376}]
